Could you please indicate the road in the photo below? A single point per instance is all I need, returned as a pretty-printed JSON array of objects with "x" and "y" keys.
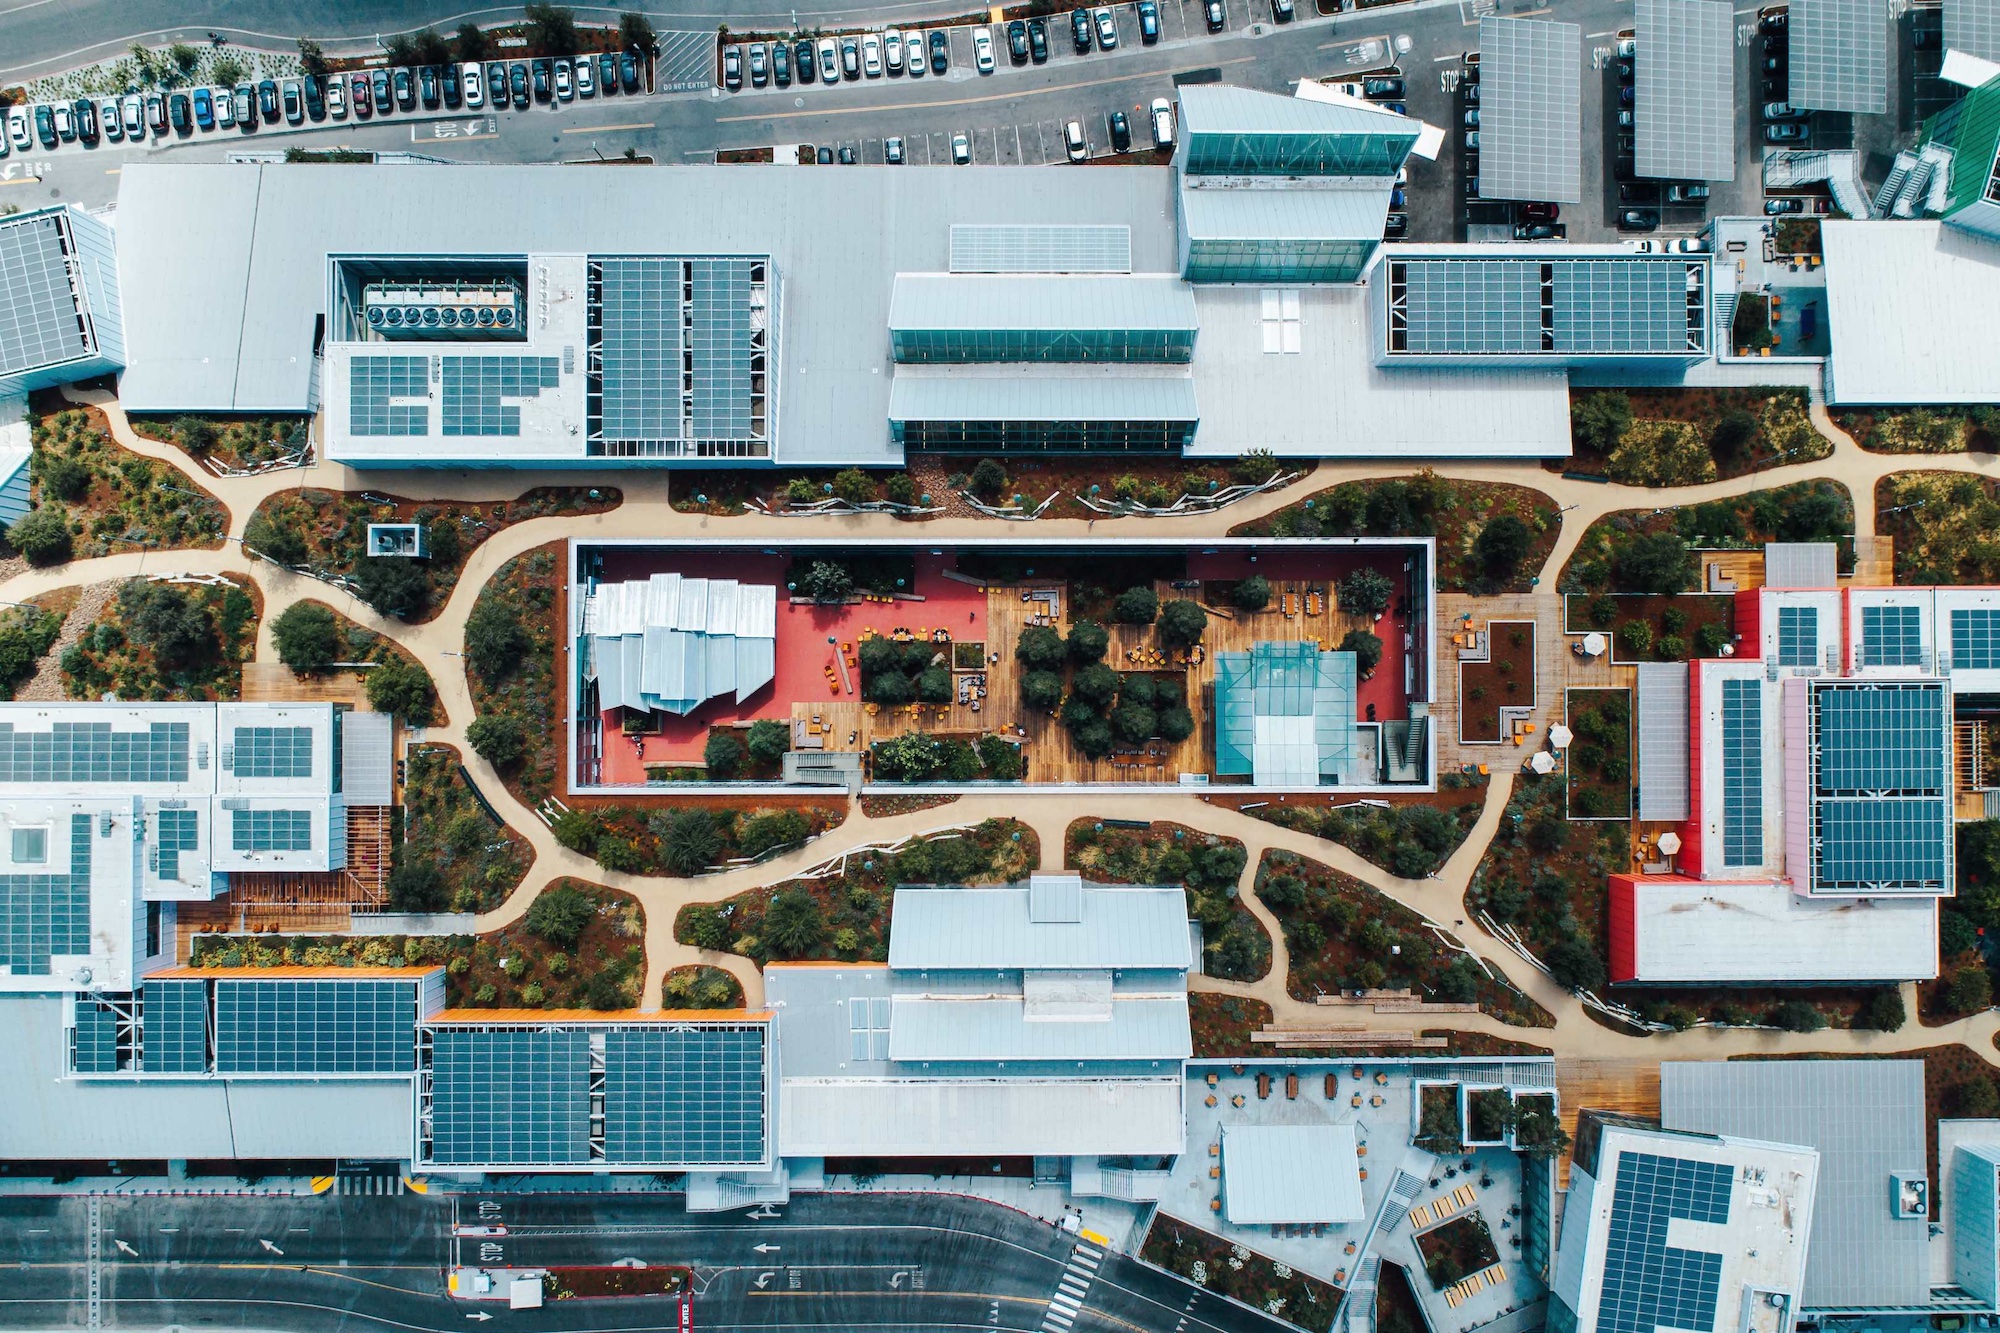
[{"x": 872, "y": 1261}]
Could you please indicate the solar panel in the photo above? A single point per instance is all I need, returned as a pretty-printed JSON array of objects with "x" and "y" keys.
[
  {"x": 1892, "y": 636},
  {"x": 270, "y": 830},
  {"x": 1883, "y": 844},
  {"x": 1839, "y": 52},
  {"x": 94, "y": 1047},
  {"x": 1014, "y": 248},
  {"x": 176, "y": 1026},
  {"x": 475, "y": 385},
  {"x": 373, "y": 380},
  {"x": 39, "y": 322},
  {"x": 272, "y": 752},
  {"x": 1973, "y": 26},
  {"x": 1685, "y": 90},
  {"x": 1881, "y": 738},
  {"x": 868, "y": 1027},
  {"x": 1798, "y": 636},
  {"x": 1528, "y": 111},
  {"x": 1975, "y": 639},
  {"x": 1649, "y": 1284},
  {"x": 1742, "y": 773},
  {"x": 314, "y": 1027},
  {"x": 175, "y": 831},
  {"x": 509, "y": 1097},
  {"x": 639, "y": 351},
  {"x": 84, "y": 752},
  {"x": 1538, "y": 305},
  {"x": 691, "y": 1097},
  {"x": 44, "y": 915},
  {"x": 721, "y": 344}
]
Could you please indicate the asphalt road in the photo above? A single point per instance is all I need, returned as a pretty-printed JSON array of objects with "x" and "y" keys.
[{"x": 878, "y": 1262}]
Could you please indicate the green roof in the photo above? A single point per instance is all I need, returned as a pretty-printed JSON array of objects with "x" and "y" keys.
[{"x": 1971, "y": 128}]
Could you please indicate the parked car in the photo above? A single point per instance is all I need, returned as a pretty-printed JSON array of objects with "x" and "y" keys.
[
  {"x": 1625, "y": 119},
  {"x": 1772, "y": 21},
  {"x": 1398, "y": 198},
  {"x": 517, "y": 82},
  {"x": 892, "y": 51},
  {"x": 1627, "y": 96},
  {"x": 628, "y": 72},
  {"x": 892, "y": 150},
  {"x": 781, "y": 67},
  {"x": 1472, "y": 94},
  {"x": 204, "y": 114},
  {"x": 824, "y": 157},
  {"x": 132, "y": 109},
  {"x": 1282, "y": 11},
  {"x": 448, "y": 84},
  {"x": 1539, "y": 212},
  {"x": 1149, "y": 21},
  {"x": 85, "y": 112},
  {"x": 1472, "y": 119},
  {"x": 940, "y": 51},
  {"x": 1472, "y": 138},
  {"x": 829, "y": 61},
  {"x": 180, "y": 114},
  {"x": 496, "y": 85},
  {"x": 1079, "y": 30},
  {"x": 1381, "y": 89},
  {"x": 45, "y": 126},
  {"x": 586, "y": 75},
  {"x": 732, "y": 67},
  {"x": 1638, "y": 219},
  {"x": 803, "y": 58},
  {"x": 607, "y": 70},
  {"x": 1074, "y": 143},
  {"x": 1783, "y": 111},
  {"x": 474, "y": 81},
  {"x": 1626, "y": 71},
  {"x": 1121, "y": 133},
  {"x": 1017, "y": 42},
  {"x": 871, "y": 55},
  {"x": 1395, "y": 225},
  {"x": 1216, "y": 16},
  {"x": 1540, "y": 231},
  {"x": 1689, "y": 245},
  {"x": 850, "y": 59},
  {"x": 406, "y": 90},
  {"x": 1107, "y": 30},
  {"x": 114, "y": 129},
  {"x": 1038, "y": 41},
  {"x": 427, "y": 88},
  {"x": 1627, "y": 48},
  {"x": 1687, "y": 192},
  {"x": 542, "y": 72},
  {"x": 913, "y": 54},
  {"x": 760, "y": 65},
  {"x": 847, "y": 157},
  {"x": 1162, "y": 112},
  {"x": 295, "y": 103},
  {"x": 1790, "y": 131},
  {"x": 20, "y": 131},
  {"x": 336, "y": 98},
  {"x": 1774, "y": 64},
  {"x": 982, "y": 50},
  {"x": 1787, "y": 204},
  {"x": 961, "y": 149}
]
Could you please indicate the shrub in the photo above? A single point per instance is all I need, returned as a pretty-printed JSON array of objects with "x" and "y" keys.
[
  {"x": 1135, "y": 722},
  {"x": 1797, "y": 1016},
  {"x": 1366, "y": 592},
  {"x": 1176, "y": 724},
  {"x": 308, "y": 640},
  {"x": 800, "y": 491},
  {"x": 1088, "y": 642},
  {"x": 42, "y": 536},
  {"x": 691, "y": 842},
  {"x": 1137, "y": 606},
  {"x": 1660, "y": 453},
  {"x": 793, "y": 924},
  {"x": 1820, "y": 515},
  {"x": 393, "y": 585},
  {"x": 1708, "y": 640},
  {"x": 167, "y": 620},
  {"x": 400, "y": 687},
  {"x": 559, "y": 915},
  {"x": 1733, "y": 434},
  {"x": 417, "y": 887},
  {"x": 1255, "y": 467},
  {"x": 779, "y": 828},
  {"x": 989, "y": 479},
  {"x": 1182, "y": 622},
  {"x": 498, "y": 738},
  {"x": 1365, "y": 646},
  {"x": 495, "y": 638},
  {"x": 577, "y": 830},
  {"x": 1638, "y": 636},
  {"x": 722, "y": 755},
  {"x": 1138, "y": 688},
  {"x": 900, "y": 489},
  {"x": 826, "y": 582},
  {"x": 934, "y": 685},
  {"x": 63, "y": 477},
  {"x": 1655, "y": 562},
  {"x": 471, "y": 42},
  {"x": 1574, "y": 965},
  {"x": 769, "y": 740},
  {"x": 1252, "y": 594},
  {"x": 1673, "y": 620},
  {"x": 1410, "y": 861},
  {"x": 1040, "y": 649},
  {"x": 854, "y": 486},
  {"x": 1970, "y": 990},
  {"x": 1458, "y": 982},
  {"x": 277, "y": 542},
  {"x": 1096, "y": 683},
  {"x": 891, "y": 688},
  {"x": 1671, "y": 647},
  {"x": 1975, "y": 1099},
  {"x": 1041, "y": 689},
  {"x": 605, "y": 990},
  {"x": 1093, "y": 738},
  {"x": 707, "y": 927},
  {"x": 1598, "y": 420},
  {"x": 1002, "y": 758},
  {"x": 1501, "y": 546},
  {"x": 1884, "y": 1011}
]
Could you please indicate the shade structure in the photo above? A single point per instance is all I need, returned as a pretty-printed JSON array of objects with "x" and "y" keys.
[
  {"x": 1559, "y": 736},
  {"x": 1593, "y": 645},
  {"x": 1670, "y": 842},
  {"x": 1542, "y": 761}
]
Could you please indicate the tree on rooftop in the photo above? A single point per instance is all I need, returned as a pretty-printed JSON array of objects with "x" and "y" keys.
[
  {"x": 1182, "y": 622},
  {"x": 793, "y": 924},
  {"x": 559, "y": 915},
  {"x": 1251, "y": 594},
  {"x": 1598, "y": 420},
  {"x": 1366, "y": 647},
  {"x": 1501, "y": 546},
  {"x": 307, "y": 638},
  {"x": 1366, "y": 592},
  {"x": 1040, "y": 649},
  {"x": 1137, "y": 606},
  {"x": 1656, "y": 562},
  {"x": 1041, "y": 689},
  {"x": 42, "y": 535},
  {"x": 989, "y": 479},
  {"x": 498, "y": 738},
  {"x": 1088, "y": 642},
  {"x": 691, "y": 843},
  {"x": 769, "y": 739},
  {"x": 827, "y": 582}
]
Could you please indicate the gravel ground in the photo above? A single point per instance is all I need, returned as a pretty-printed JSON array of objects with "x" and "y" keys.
[{"x": 46, "y": 685}]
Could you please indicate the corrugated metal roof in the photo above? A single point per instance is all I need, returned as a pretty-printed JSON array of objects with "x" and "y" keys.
[
  {"x": 833, "y": 1117},
  {"x": 1290, "y": 1173},
  {"x": 367, "y": 760},
  {"x": 1039, "y": 302},
  {"x": 1530, "y": 120},
  {"x": 1909, "y": 312},
  {"x": 1663, "y": 740},
  {"x": 1866, "y": 1117},
  {"x": 1122, "y": 926},
  {"x": 1801, "y": 565},
  {"x": 1686, "y": 89},
  {"x": 1219, "y": 108},
  {"x": 1055, "y": 897},
  {"x": 1284, "y": 209},
  {"x": 1108, "y": 396},
  {"x": 931, "y": 1028}
]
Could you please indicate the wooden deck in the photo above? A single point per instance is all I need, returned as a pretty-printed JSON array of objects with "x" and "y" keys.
[
  {"x": 840, "y": 726},
  {"x": 274, "y": 683},
  {"x": 1732, "y": 571},
  {"x": 1629, "y": 1087},
  {"x": 1874, "y": 562}
]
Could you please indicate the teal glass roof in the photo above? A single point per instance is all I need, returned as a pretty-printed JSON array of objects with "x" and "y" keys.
[
  {"x": 1240, "y": 131},
  {"x": 1537, "y": 303},
  {"x": 1284, "y": 714}
]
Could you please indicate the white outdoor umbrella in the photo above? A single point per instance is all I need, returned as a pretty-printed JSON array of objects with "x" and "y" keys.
[
  {"x": 1542, "y": 761},
  {"x": 1670, "y": 842},
  {"x": 1593, "y": 645},
  {"x": 1559, "y": 736}
]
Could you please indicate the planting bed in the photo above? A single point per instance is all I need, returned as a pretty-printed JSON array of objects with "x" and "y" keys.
[
  {"x": 166, "y": 641},
  {"x": 1598, "y": 763},
  {"x": 238, "y": 443},
  {"x": 1211, "y": 869},
  {"x": 523, "y": 690},
  {"x": 1505, "y": 680},
  {"x": 1654, "y": 627},
  {"x": 699, "y": 986},
  {"x": 116, "y": 500},
  {"x": 1805, "y": 511},
  {"x": 1678, "y": 437},
  {"x": 1943, "y": 525},
  {"x": 1209, "y": 1261},
  {"x": 1456, "y": 1250},
  {"x": 1410, "y": 839},
  {"x": 446, "y": 828}
]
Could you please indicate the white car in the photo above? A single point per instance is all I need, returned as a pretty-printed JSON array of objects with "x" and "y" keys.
[
  {"x": 586, "y": 78},
  {"x": 1074, "y": 143},
  {"x": 871, "y": 55},
  {"x": 829, "y": 61},
  {"x": 107, "y": 119},
  {"x": 65, "y": 122},
  {"x": 564, "y": 89},
  {"x": 336, "y": 98},
  {"x": 225, "y": 108},
  {"x": 913, "y": 53},
  {"x": 982, "y": 49},
  {"x": 132, "y": 109},
  {"x": 1107, "y": 31},
  {"x": 1163, "y": 123},
  {"x": 892, "y": 50},
  {"x": 19, "y": 131},
  {"x": 961, "y": 149},
  {"x": 473, "y": 76}
]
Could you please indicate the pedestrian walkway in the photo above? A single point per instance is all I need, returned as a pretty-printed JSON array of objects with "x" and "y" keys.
[{"x": 1073, "y": 1289}]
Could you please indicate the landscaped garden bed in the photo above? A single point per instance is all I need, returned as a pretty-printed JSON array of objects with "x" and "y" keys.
[
  {"x": 326, "y": 532},
  {"x": 885, "y": 807},
  {"x": 688, "y": 840},
  {"x": 1222, "y": 1025},
  {"x": 1209, "y": 1261},
  {"x": 1683, "y": 437},
  {"x": 1943, "y": 525},
  {"x": 1209, "y": 867},
  {"x": 1456, "y": 1250},
  {"x": 453, "y": 854},
  {"x": 26, "y": 635},
  {"x": 1598, "y": 763},
  {"x": 699, "y": 986},
  {"x": 598, "y": 1282},
  {"x": 1439, "y": 1129},
  {"x": 236, "y": 444},
  {"x": 1396, "y": 1308},
  {"x": 1655, "y": 627},
  {"x": 313, "y": 639},
  {"x": 1506, "y": 679},
  {"x": 1922, "y": 430},
  {"x": 1492, "y": 537},
  {"x": 1650, "y": 550},
  {"x": 166, "y": 641},
  {"x": 1343, "y": 935},
  {"x": 1412, "y": 838},
  {"x": 510, "y": 652},
  {"x": 844, "y": 913},
  {"x": 93, "y": 497},
  {"x": 580, "y": 946},
  {"x": 1489, "y": 1115}
]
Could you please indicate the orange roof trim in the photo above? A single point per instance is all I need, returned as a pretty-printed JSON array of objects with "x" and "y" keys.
[
  {"x": 294, "y": 973},
  {"x": 600, "y": 1016}
]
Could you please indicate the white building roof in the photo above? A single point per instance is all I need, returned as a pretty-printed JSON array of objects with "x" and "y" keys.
[
  {"x": 1290, "y": 1173},
  {"x": 1909, "y": 312},
  {"x": 1119, "y": 926},
  {"x": 1718, "y": 932},
  {"x": 1006, "y": 1027},
  {"x": 999, "y": 1117},
  {"x": 671, "y": 643}
]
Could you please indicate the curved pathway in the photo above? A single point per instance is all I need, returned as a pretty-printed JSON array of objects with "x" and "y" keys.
[{"x": 646, "y": 512}]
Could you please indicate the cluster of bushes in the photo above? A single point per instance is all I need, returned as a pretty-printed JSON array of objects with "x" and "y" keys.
[
  {"x": 895, "y": 673},
  {"x": 452, "y": 854},
  {"x": 400, "y": 586},
  {"x": 1208, "y": 867},
  {"x": 1100, "y": 707},
  {"x": 917, "y": 756},
  {"x": 1545, "y": 876},
  {"x": 856, "y": 487},
  {"x": 1600, "y": 760},
  {"x": 311, "y": 638},
  {"x": 26, "y": 635},
  {"x": 121, "y": 495},
  {"x": 1409, "y": 841},
  {"x": 680, "y": 842},
  {"x": 1665, "y": 450},
  {"x": 1943, "y": 524},
  {"x": 510, "y": 662},
  {"x": 1922, "y": 430},
  {"x": 700, "y": 987},
  {"x": 162, "y": 640},
  {"x": 244, "y": 442},
  {"x": 758, "y": 751},
  {"x": 1498, "y": 524}
]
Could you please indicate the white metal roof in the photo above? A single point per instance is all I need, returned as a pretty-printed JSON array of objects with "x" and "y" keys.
[
  {"x": 1121, "y": 926},
  {"x": 1719, "y": 932},
  {"x": 672, "y": 643},
  {"x": 1801, "y": 565},
  {"x": 1290, "y": 1173},
  {"x": 1910, "y": 313},
  {"x": 1041, "y": 301},
  {"x": 831, "y": 1117},
  {"x": 951, "y": 1028}
]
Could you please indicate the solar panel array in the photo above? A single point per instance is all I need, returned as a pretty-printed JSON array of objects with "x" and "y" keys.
[
  {"x": 1839, "y": 54},
  {"x": 1685, "y": 90},
  {"x": 1019, "y": 248},
  {"x": 74, "y": 752},
  {"x": 639, "y": 306},
  {"x": 1881, "y": 811},
  {"x": 1876, "y": 738},
  {"x": 270, "y": 830},
  {"x": 1742, "y": 773},
  {"x": 692, "y": 1097},
  {"x": 1975, "y": 639},
  {"x": 94, "y": 1048},
  {"x": 475, "y": 385},
  {"x": 314, "y": 1027},
  {"x": 1528, "y": 118},
  {"x": 175, "y": 831},
  {"x": 1892, "y": 636},
  {"x": 720, "y": 341},
  {"x": 1534, "y": 305},
  {"x": 176, "y": 1023},
  {"x": 1881, "y": 845},
  {"x": 1798, "y": 636},
  {"x": 1648, "y": 1284},
  {"x": 1973, "y": 26},
  {"x": 39, "y": 324},
  {"x": 509, "y": 1097},
  {"x": 373, "y": 380},
  {"x": 43, "y": 915},
  {"x": 273, "y": 752}
]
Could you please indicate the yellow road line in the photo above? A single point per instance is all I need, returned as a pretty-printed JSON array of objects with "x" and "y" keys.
[
  {"x": 975, "y": 101},
  {"x": 21, "y": 180},
  {"x": 606, "y": 129}
]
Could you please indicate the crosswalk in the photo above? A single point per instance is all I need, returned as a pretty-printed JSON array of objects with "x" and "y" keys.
[
  {"x": 1067, "y": 1303},
  {"x": 370, "y": 1184}
]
